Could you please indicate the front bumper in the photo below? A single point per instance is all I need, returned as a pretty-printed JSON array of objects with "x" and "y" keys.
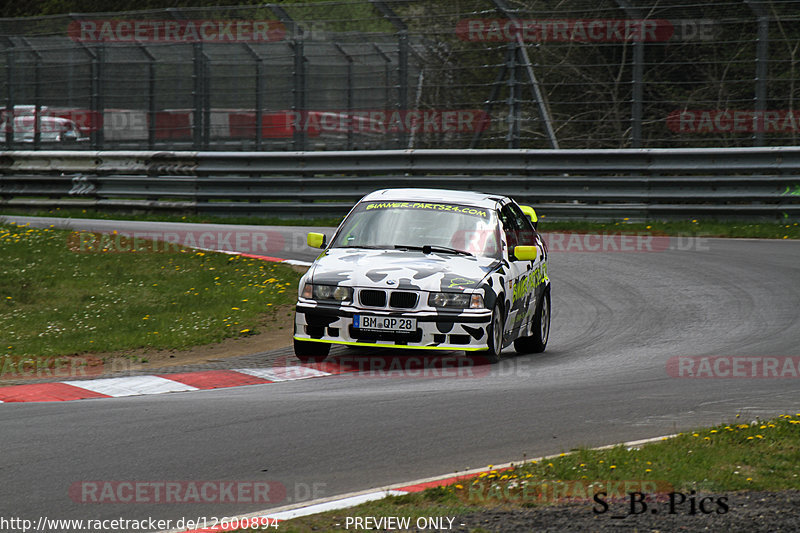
[{"x": 436, "y": 330}]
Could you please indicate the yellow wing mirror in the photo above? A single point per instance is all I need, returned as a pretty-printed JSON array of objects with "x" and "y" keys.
[
  {"x": 315, "y": 240},
  {"x": 526, "y": 253},
  {"x": 531, "y": 214}
]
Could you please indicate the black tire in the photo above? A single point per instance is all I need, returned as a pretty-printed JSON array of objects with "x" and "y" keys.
[
  {"x": 537, "y": 342},
  {"x": 310, "y": 352},
  {"x": 494, "y": 333}
]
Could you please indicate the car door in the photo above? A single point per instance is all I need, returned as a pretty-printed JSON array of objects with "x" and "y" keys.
[{"x": 527, "y": 276}]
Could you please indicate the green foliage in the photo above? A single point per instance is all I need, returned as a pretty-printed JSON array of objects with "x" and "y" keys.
[{"x": 55, "y": 301}]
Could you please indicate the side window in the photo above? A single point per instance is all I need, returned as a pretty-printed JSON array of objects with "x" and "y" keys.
[
  {"x": 526, "y": 235},
  {"x": 510, "y": 227}
]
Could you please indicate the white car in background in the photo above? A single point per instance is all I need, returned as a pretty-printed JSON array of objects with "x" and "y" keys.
[{"x": 51, "y": 129}]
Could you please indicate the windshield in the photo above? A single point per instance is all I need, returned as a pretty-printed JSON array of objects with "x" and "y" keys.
[{"x": 390, "y": 225}]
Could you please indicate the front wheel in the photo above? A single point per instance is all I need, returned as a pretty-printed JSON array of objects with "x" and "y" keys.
[
  {"x": 310, "y": 352},
  {"x": 495, "y": 335},
  {"x": 540, "y": 330}
]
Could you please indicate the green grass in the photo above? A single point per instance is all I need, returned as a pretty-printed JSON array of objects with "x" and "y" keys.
[
  {"x": 55, "y": 301},
  {"x": 761, "y": 455},
  {"x": 694, "y": 227}
]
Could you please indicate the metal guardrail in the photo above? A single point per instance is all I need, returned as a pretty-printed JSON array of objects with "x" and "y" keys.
[{"x": 593, "y": 184}]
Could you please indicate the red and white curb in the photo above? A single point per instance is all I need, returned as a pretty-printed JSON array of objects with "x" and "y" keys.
[
  {"x": 162, "y": 383},
  {"x": 293, "y": 262},
  {"x": 346, "y": 501}
]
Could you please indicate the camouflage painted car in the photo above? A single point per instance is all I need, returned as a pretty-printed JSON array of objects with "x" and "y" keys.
[{"x": 427, "y": 269}]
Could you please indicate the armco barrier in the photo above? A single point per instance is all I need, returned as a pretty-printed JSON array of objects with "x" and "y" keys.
[{"x": 593, "y": 184}]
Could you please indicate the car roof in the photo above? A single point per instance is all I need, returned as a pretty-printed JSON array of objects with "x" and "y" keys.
[{"x": 472, "y": 199}]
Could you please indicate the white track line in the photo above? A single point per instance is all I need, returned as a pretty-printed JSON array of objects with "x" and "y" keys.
[{"x": 344, "y": 501}]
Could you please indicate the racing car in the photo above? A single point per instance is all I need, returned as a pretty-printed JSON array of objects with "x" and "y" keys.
[{"x": 427, "y": 269}]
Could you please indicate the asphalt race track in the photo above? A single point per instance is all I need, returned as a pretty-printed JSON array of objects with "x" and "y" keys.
[{"x": 618, "y": 319}]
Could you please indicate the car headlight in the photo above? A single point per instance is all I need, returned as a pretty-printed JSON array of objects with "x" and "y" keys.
[
  {"x": 455, "y": 299},
  {"x": 335, "y": 293}
]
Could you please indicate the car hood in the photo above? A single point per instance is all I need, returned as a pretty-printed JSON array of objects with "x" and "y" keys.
[{"x": 401, "y": 269}]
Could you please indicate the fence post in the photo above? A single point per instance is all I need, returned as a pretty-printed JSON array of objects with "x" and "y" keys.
[
  {"x": 37, "y": 94},
  {"x": 10, "y": 118},
  {"x": 206, "y": 85},
  {"x": 762, "y": 47},
  {"x": 37, "y": 101},
  {"x": 487, "y": 107},
  {"x": 151, "y": 96},
  {"x": 386, "y": 67},
  {"x": 259, "y": 63},
  {"x": 349, "y": 96},
  {"x": 637, "y": 89},
  {"x": 197, "y": 95},
  {"x": 101, "y": 100},
  {"x": 402, "y": 72},
  {"x": 95, "y": 99},
  {"x": 513, "y": 118},
  {"x": 299, "y": 94},
  {"x": 259, "y": 102},
  {"x": 299, "y": 134},
  {"x": 525, "y": 60},
  {"x": 402, "y": 60}
]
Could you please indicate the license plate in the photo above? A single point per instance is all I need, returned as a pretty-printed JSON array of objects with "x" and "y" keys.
[{"x": 384, "y": 323}]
